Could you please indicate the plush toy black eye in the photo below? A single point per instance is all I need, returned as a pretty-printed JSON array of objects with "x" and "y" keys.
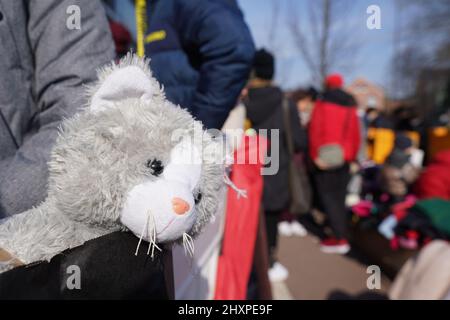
[
  {"x": 155, "y": 166},
  {"x": 197, "y": 197}
]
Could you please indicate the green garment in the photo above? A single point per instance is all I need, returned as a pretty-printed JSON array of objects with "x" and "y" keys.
[{"x": 438, "y": 211}]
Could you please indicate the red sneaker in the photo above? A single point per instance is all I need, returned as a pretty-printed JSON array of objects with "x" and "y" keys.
[{"x": 333, "y": 245}]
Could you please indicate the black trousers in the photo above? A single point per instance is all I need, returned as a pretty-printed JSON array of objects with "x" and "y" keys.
[
  {"x": 331, "y": 190},
  {"x": 272, "y": 218}
]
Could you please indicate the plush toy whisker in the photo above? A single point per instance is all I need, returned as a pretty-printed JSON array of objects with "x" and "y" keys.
[
  {"x": 152, "y": 238},
  {"x": 150, "y": 231},
  {"x": 188, "y": 244},
  {"x": 240, "y": 192},
  {"x": 142, "y": 235},
  {"x": 150, "y": 234}
]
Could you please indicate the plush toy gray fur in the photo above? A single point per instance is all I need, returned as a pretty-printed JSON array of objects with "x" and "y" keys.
[{"x": 97, "y": 159}]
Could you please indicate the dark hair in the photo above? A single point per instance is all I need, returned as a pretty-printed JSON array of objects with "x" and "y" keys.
[
  {"x": 404, "y": 112},
  {"x": 301, "y": 94},
  {"x": 402, "y": 141},
  {"x": 371, "y": 109},
  {"x": 264, "y": 64}
]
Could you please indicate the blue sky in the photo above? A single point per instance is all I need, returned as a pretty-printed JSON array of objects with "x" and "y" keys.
[{"x": 372, "y": 60}]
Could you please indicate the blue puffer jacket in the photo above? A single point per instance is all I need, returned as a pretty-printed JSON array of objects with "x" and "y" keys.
[{"x": 201, "y": 51}]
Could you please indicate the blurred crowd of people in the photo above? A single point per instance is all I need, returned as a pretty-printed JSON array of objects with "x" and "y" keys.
[
  {"x": 365, "y": 168},
  {"x": 361, "y": 165},
  {"x": 356, "y": 162}
]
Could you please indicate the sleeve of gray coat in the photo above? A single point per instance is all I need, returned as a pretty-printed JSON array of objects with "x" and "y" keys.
[{"x": 64, "y": 60}]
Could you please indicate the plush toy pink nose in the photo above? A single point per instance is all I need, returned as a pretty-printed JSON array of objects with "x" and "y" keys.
[{"x": 180, "y": 206}]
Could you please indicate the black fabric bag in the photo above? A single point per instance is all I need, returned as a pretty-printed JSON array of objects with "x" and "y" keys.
[
  {"x": 299, "y": 186},
  {"x": 108, "y": 269}
]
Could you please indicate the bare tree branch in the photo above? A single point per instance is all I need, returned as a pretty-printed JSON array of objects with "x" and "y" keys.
[
  {"x": 326, "y": 22},
  {"x": 299, "y": 38},
  {"x": 272, "y": 34},
  {"x": 313, "y": 15},
  {"x": 324, "y": 43},
  {"x": 424, "y": 44}
]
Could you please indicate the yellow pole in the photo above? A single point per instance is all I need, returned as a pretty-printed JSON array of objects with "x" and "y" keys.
[{"x": 141, "y": 25}]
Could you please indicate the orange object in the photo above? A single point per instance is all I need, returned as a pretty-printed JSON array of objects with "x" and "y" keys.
[
  {"x": 380, "y": 144},
  {"x": 414, "y": 136},
  {"x": 180, "y": 206},
  {"x": 438, "y": 140}
]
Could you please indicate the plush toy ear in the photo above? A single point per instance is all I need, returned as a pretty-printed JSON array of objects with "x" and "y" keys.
[{"x": 130, "y": 78}]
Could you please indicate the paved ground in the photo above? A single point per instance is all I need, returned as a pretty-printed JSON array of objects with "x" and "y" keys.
[{"x": 315, "y": 275}]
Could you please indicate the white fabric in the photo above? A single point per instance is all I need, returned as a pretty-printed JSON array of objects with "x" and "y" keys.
[
  {"x": 185, "y": 164},
  {"x": 234, "y": 127},
  {"x": 416, "y": 158},
  {"x": 425, "y": 276},
  {"x": 278, "y": 272},
  {"x": 124, "y": 83},
  {"x": 178, "y": 180},
  {"x": 195, "y": 278},
  {"x": 151, "y": 202},
  {"x": 386, "y": 228}
]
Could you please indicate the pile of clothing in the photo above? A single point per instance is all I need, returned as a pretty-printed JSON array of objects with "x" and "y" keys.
[
  {"x": 409, "y": 224},
  {"x": 427, "y": 220},
  {"x": 391, "y": 206}
]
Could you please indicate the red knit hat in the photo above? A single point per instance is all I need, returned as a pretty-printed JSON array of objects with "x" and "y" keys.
[{"x": 334, "y": 80}]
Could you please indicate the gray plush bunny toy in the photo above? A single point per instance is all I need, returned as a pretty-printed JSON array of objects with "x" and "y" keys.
[{"x": 130, "y": 160}]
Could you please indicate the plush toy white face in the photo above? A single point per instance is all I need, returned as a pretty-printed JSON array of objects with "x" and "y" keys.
[{"x": 163, "y": 209}]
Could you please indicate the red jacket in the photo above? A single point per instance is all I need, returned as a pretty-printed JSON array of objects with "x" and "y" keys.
[
  {"x": 334, "y": 120},
  {"x": 435, "y": 179}
]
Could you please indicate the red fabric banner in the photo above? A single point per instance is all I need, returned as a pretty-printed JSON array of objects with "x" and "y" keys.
[{"x": 241, "y": 222}]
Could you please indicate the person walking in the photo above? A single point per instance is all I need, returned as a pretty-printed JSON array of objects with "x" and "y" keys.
[
  {"x": 264, "y": 105},
  {"x": 334, "y": 140}
]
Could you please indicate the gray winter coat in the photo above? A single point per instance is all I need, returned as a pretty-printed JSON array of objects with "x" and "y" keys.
[{"x": 43, "y": 67}]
